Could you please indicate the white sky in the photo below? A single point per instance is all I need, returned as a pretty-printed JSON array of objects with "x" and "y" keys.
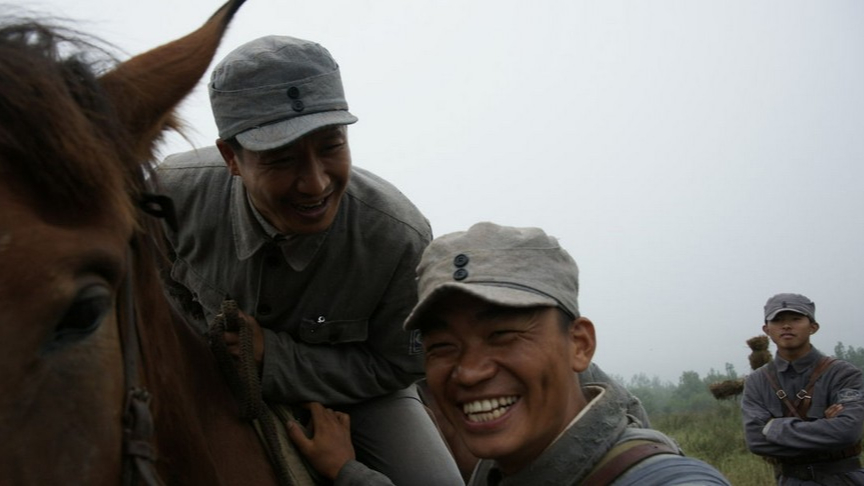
[{"x": 695, "y": 157}]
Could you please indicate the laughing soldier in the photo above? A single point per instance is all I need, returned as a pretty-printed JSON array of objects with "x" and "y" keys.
[
  {"x": 504, "y": 344},
  {"x": 319, "y": 255}
]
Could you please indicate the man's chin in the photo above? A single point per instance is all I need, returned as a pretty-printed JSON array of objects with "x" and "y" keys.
[{"x": 300, "y": 225}]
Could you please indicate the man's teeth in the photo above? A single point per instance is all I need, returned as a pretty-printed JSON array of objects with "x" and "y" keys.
[
  {"x": 488, "y": 409},
  {"x": 307, "y": 207}
]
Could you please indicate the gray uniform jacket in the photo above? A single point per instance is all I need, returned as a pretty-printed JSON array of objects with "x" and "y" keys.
[
  {"x": 331, "y": 305},
  {"x": 572, "y": 457},
  {"x": 790, "y": 437}
]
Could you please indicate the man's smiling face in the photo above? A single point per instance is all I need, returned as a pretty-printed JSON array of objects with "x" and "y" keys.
[
  {"x": 505, "y": 377},
  {"x": 297, "y": 188}
]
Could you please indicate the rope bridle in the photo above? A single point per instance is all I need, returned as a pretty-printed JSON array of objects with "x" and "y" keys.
[{"x": 139, "y": 455}]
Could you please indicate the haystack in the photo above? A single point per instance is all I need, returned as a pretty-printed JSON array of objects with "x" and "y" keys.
[
  {"x": 727, "y": 389},
  {"x": 760, "y": 354}
]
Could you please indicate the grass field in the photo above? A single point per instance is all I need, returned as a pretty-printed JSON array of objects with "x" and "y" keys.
[{"x": 717, "y": 437}]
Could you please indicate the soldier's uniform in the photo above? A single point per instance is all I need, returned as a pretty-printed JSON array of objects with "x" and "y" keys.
[{"x": 812, "y": 449}]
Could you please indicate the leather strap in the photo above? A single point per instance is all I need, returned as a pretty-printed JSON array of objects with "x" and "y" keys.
[
  {"x": 803, "y": 405},
  {"x": 139, "y": 456},
  {"x": 804, "y": 397},
  {"x": 622, "y": 457},
  {"x": 852, "y": 451}
]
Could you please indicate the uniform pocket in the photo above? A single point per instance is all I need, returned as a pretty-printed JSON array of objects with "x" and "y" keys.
[{"x": 321, "y": 331}]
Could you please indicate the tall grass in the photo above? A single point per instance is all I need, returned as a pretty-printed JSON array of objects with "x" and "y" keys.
[{"x": 716, "y": 436}]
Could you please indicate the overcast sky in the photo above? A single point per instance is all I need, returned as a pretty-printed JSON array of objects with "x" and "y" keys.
[{"x": 695, "y": 157}]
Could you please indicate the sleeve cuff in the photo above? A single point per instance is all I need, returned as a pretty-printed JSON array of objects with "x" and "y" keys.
[{"x": 767, "y": 427}]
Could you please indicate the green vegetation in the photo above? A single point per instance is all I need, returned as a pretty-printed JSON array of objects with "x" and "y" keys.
[
  {"x": 716, "y": 436},
  {"x": 710, "y": 429},
  {"x": 850, "y": 354}
]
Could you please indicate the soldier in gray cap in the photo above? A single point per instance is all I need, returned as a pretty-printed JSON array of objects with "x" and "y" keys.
[
  {"x": 319, "y": 255},
  {"x": 804, "y": 411},
  {"x": 505, "y": 345}
]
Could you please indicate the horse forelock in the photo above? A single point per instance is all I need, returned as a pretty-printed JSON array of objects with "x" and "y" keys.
[{"x": 59, "y": 139}]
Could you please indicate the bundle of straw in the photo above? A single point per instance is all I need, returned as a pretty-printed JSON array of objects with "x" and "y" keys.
[
  {"x": 727, "y": 389},
  {"x": 760, "y": 354}
]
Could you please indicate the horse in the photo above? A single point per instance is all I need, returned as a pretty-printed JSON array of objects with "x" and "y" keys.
[{"x": 89, "y": 342}]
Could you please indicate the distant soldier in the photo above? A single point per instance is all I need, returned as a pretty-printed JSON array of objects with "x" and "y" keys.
[{"x": 804, "y": 411}]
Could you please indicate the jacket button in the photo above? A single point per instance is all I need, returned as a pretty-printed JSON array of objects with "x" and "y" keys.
[
  {"x": 297, "y": 105},
  {"x": 461, "y": 260},
  {"x": 293, "y": 92},
  {"x": 272, "y": 261},
  {"x": 460, "y": 274}
]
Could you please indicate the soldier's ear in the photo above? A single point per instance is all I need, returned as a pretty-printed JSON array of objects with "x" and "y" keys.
[
  {"x": 583, "y": 343},
  {"x": 229, "y": 156},
  {"x": 814, "y": 327}
]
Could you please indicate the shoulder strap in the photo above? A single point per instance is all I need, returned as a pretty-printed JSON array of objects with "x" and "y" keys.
[
  {"x": 770, "y": 373},
  {"x": 802, "y": 404},
  {"x": 622, "y": 457},
  {"x": 804, "y": 396}
]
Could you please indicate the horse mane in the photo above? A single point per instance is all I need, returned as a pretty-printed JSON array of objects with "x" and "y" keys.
[
  {"x": 58, "y": 132},
  {"x": 62, "y": 142}
]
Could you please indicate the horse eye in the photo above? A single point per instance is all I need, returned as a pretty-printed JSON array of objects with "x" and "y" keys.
[{"x": 82, "y": 318}]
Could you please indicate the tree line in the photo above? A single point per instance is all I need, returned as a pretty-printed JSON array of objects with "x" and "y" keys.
[{"x": 691, "y": 393}]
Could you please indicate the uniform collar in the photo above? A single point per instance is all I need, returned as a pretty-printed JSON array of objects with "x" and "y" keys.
[
  {"x": 801, "y": 364},
  {"x": 570, "y": 455},
  {"x": 252, "y": 232}
]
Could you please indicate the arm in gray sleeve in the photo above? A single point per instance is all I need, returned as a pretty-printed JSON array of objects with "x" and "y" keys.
[
  {"x": 344, "y": 373},
  {"x": 755, "y": 413},
  {"x": 789, "y": 436},
  {"x": 354, "y": 473},
  {"x": 826, "y": 433}
]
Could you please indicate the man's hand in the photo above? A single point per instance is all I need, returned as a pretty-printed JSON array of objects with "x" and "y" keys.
[
  {"x": 232, "y": 339},
  {"x": 833, "y": 410},
  {"x": 330, "y": 446}
]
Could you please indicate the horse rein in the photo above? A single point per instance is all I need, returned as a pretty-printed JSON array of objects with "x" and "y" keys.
[{"x": 139, "y": 455}]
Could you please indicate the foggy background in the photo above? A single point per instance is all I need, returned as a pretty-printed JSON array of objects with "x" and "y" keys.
[{"x": 695, "y": 158}]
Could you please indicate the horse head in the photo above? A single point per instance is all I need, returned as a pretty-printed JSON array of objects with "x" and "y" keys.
[{"x": 76, "y": 141}]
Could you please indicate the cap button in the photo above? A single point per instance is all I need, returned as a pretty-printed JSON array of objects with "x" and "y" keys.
[
  {"x": 461, "y": 260},
  {"x": 298, "y": 105},
  {"x": 460, "y": 274},
  {"x": 293, "y": 92}
]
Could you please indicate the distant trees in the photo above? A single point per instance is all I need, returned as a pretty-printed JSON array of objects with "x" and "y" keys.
[
  {"x": 654, "y": 394},
  {"x": 850, "y": 354},
  {"x": 691, "y": 394}
]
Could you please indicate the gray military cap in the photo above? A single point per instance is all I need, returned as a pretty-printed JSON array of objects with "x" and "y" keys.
[
  {"x": 275, "y": 89},
  {"x": 789, "y": 302},
  {"x": 514, "y": 267}
]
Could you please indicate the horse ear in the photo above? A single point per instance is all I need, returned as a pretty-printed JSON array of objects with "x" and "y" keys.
[{"x": 146, "y": 88}]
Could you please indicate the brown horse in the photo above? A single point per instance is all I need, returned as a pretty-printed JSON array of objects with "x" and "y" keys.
[{"x": 76, "y": 250}]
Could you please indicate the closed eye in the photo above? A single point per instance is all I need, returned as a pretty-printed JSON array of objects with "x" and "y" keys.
[
  {"x": 503, "y": 334},
  {"x": 82, "y": 318},
  {"x": 333, "y": 146},
  {"x": 436, "y": 346},
  {"x": 433, "y": 345},
  {"x": 280, "y": 162}
]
